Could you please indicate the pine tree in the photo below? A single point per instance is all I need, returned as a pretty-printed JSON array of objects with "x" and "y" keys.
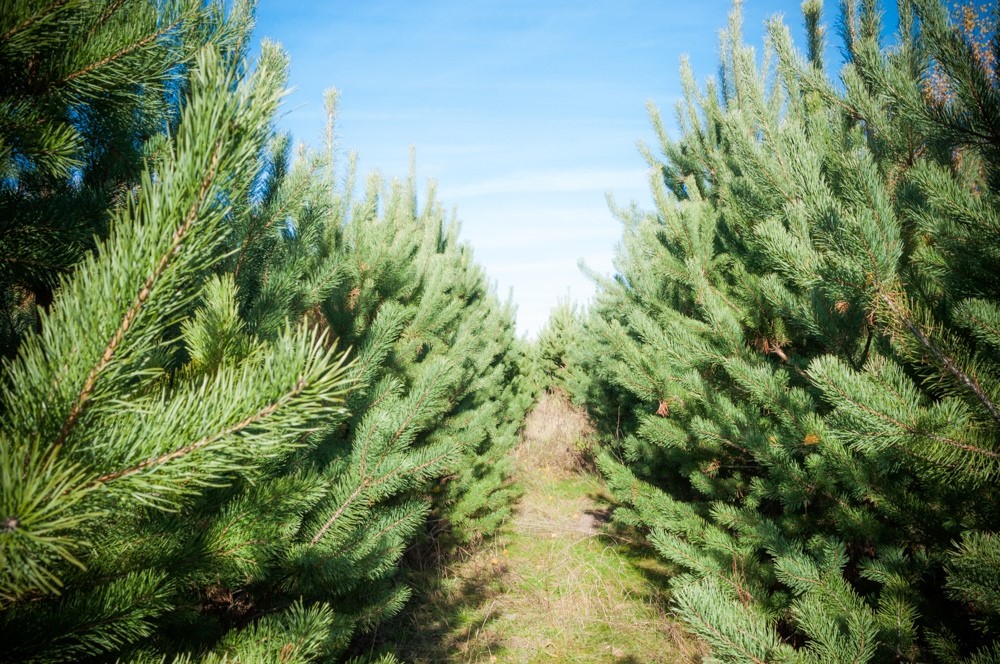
[
  {"x": 192, "y": 470},
  {"x": 555, "y": 344},
  {"x": 101, "y": 436},
  {"x": 799, "y": 335}
]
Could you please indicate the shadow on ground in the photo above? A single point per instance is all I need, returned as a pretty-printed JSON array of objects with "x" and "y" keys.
[
  {"x": 634, "y": 548},
  {"x": 450, "y": 614}
]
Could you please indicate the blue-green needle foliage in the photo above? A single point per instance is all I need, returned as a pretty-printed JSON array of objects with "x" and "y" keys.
[
  {"x": 88, "y": 91},
  {"x": 256, "y": 393},
  {"x": 795, "y": 368}
]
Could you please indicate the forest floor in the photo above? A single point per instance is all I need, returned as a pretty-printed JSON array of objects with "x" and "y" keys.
[{"x": 559, "y": 584}]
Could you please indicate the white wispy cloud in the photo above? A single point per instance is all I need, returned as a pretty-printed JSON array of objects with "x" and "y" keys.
[
  {"x": 557, "y": 240},
  {"x": 549, "y": 181}
]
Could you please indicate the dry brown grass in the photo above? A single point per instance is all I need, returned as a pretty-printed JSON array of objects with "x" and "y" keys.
[{"x": 557, "y": 437}]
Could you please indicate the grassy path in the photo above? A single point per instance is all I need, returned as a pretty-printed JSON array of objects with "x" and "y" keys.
[{"x": 556, "y": 586}]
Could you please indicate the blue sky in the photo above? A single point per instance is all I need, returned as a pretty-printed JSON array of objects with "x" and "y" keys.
[{"x": 525, "y": 113}]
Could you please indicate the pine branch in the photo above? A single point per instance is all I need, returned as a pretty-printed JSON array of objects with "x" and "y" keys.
[
  {"x": 340, "y": 510},
  {"x": 370, "y": 482},
  {"x": 140, "y": 300},
  {"x": 910, "y": 428},
  {"x": 944, "y": 360},
  {"x": 422, "y": 399},
  {"x": 106, "y": 15},
  {"x": 258, "y": 232},
  {"x": 707, "y": 625},
  {"x": 131, "y": 48},
  {"x": 269, "y": 410},
  {"x": 28, "y": 22}
]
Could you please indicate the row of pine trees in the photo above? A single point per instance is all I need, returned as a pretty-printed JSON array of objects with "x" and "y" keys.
[
  {"x": 796, "y": 368},
  {"x": 234, "y": 392}
]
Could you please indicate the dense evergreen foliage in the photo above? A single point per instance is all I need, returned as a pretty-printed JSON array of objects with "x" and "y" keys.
[
  {"x": 234, "y": 393},
  {"x": 89, "y": 90},
  {"x": 795, "y": 368},
  {"x": 555, "y": 346},
  {"x": 250, "y": 392}
]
